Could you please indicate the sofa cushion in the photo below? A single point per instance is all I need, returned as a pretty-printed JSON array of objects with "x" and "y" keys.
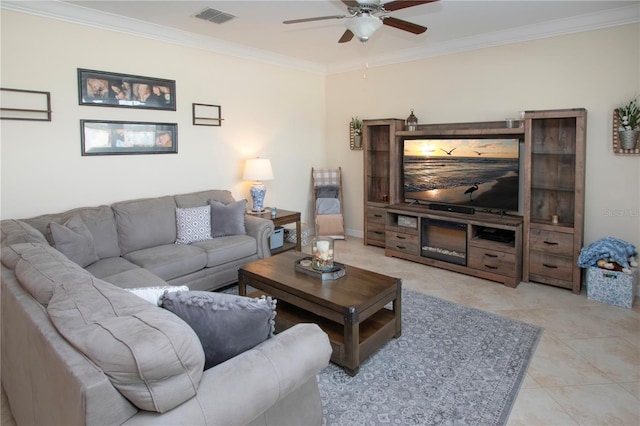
[
  {"x": 193, "y": 224},
  {"x": 221, "y": 250},
  {"x": 99, "y": 220},
  {"x": 40, "y": 266},
  {"x": 228, "y": 219},
  {"x": 16, "y": 232},
  {"x": 226, "y": 324},
  {"x": 201, "y": 198},
  {"x": 153, "y": 294},
  {"x": 145, "y": 223},
  {"x": 137, "y": 277},
  {"x": 151, "y": 356},
  {"x": 74, "y": 240},
  {"x": 171, "y": 260},
  {"x": 110, "y": 266}
]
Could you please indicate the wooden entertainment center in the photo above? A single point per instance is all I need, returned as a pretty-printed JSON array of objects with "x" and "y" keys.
[{"x": 540, "y": 245}]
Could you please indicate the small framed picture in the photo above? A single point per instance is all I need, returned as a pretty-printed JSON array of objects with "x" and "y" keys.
[
  {"x": 127, "y": 137},
  {"x": 100, "y": 88}
]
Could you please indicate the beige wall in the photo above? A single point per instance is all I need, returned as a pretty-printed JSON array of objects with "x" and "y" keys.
[
  {"x": 298, "y": 119},
  {"x": 597, "y": 70},
  {"x": 269, "y": 111}
]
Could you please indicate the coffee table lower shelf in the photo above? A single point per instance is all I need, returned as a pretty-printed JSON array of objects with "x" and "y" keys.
[{"x": 373, "y": 332}]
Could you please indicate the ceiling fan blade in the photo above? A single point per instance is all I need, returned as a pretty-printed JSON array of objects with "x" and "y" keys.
[
  {"x": 404, "y": 25},
  {"x": 351, "y": 3},
  {"x": 347, "y": 36},
  {"x": 402, "y": 4},
  {"x": 317, "y": 18}
]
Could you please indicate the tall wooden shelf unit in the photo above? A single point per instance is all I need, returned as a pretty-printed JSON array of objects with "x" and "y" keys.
[
  {"x": 554, "y": 188},
  {"x": 381, "y": 175}
]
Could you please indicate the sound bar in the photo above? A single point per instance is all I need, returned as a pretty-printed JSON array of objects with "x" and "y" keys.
[{"x": 454, "y": 209}]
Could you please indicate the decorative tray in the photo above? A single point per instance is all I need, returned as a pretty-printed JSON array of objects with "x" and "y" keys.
[{"x": 338, "y": 270}]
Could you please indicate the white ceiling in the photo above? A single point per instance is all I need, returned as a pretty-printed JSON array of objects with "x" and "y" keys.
[{"x": 257, "y": 30}]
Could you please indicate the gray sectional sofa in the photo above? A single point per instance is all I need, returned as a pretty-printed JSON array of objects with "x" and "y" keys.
[
  {"x": 77, "y": 348},
  {"x": 135, "y": 242}
]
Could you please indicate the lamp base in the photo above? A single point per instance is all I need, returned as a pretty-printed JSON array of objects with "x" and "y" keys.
[{"x": 258, "y": 191}]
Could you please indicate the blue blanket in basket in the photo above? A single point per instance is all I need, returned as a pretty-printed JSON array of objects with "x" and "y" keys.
[{"x": 607, "y": 248}]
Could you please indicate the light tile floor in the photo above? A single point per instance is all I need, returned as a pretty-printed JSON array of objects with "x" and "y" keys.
[{"x": 586, "y": 369}]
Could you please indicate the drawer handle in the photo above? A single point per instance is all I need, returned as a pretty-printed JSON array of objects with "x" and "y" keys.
[
  {"x": 400, "y": 237},
  {"x": 378, "y": 232},
  {"x": 377, "y": 215},
  {"x": 490, "y": 255},
  {"x": 551, "y": 243},
  {"x": 401, "y": 247},
  {"x": 490, "y": 267},
  {"x": 546, "y": 265}
]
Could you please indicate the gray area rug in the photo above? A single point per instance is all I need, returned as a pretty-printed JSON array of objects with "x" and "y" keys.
[{"x": 453, "y": 365}]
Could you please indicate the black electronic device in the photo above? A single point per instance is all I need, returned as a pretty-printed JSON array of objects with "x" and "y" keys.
[
  {"x": 495, "y": 234},
  {"x": 452, "y": 208}
]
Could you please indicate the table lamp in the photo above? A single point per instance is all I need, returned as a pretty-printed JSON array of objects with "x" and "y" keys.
[{"x": 257, "y": 170}]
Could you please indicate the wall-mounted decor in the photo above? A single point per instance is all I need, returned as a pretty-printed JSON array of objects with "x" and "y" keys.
[
  {"x": 28, "y": 105},
  {"x": 355, "y": 134},
  {"x": 207, "y": 115},
  {"x": 618, "y": 147},
  {"x": 127, "y": 137},
  {"x": 100, "y": 88}
]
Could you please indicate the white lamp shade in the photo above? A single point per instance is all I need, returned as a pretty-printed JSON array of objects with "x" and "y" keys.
[
  {"x": 363, "y": 26},
  {"x": 257, "y": 169}
]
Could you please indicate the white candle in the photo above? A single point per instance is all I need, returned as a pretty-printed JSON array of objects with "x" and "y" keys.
[{"x": 323, "y": 249}]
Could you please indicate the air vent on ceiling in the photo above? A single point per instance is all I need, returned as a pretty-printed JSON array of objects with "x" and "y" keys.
[{"x": 215, "y": 16}]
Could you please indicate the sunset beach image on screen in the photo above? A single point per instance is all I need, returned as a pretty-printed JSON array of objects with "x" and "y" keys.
[{"x": 481, "y": 173}]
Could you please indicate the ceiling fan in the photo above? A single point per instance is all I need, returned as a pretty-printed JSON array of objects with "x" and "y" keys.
[{"x": 363, "y": 19}]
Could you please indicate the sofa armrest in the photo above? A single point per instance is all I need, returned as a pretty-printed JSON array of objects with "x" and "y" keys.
[
  {"x": 243, "y": 388},
  {"x": 260, "y": 229}
]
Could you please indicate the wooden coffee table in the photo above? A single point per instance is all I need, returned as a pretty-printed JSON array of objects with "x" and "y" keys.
[{"x": 351, "y": 309}]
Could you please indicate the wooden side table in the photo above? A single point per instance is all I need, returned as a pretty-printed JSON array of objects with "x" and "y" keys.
[{"x": 284, "y": 217}]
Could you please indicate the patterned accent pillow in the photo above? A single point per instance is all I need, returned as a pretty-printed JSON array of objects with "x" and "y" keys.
[{"x": 193, "y": 224}]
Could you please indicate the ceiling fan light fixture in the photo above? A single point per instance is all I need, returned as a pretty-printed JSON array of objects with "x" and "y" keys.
[{"x": 363, "y": 26}]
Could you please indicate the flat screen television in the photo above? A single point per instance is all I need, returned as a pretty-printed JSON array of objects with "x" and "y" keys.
[{"x": 478, "y": 173}]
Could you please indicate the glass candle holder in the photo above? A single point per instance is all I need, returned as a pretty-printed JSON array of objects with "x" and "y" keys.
[{"x": 322, "y": 254}]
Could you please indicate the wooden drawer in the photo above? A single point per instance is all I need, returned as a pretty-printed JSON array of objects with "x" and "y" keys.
[
  {"x": 376, "y": 214},
  {"x": 494, "y": 261},
  {"x": 551, "y": 266},
  {"x": 375, "y": 233},
  {"x": 405, "y": 243},
  {"x": 551, "y": 242}
]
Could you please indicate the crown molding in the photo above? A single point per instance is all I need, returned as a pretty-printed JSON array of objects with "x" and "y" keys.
[
  {"x": 108, "y": 21},
  {"x": 89, "y": 17}
]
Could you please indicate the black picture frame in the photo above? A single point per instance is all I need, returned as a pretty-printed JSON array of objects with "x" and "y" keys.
[
  {"x": 101, "y": 88},
  {"x": 128, "y": 137}
]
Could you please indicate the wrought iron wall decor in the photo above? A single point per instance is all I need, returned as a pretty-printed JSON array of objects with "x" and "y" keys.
[
  {"x": 207, "y": 115},
  {"x": 27, "y": 105}
]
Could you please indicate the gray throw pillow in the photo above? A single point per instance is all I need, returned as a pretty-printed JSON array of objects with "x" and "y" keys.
[
  {"x": 226, "y": 324},
  {"x": 193, "y": 224},
  {"x": 74, "y": 240},
  {"x": 227, "y": 219}
]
